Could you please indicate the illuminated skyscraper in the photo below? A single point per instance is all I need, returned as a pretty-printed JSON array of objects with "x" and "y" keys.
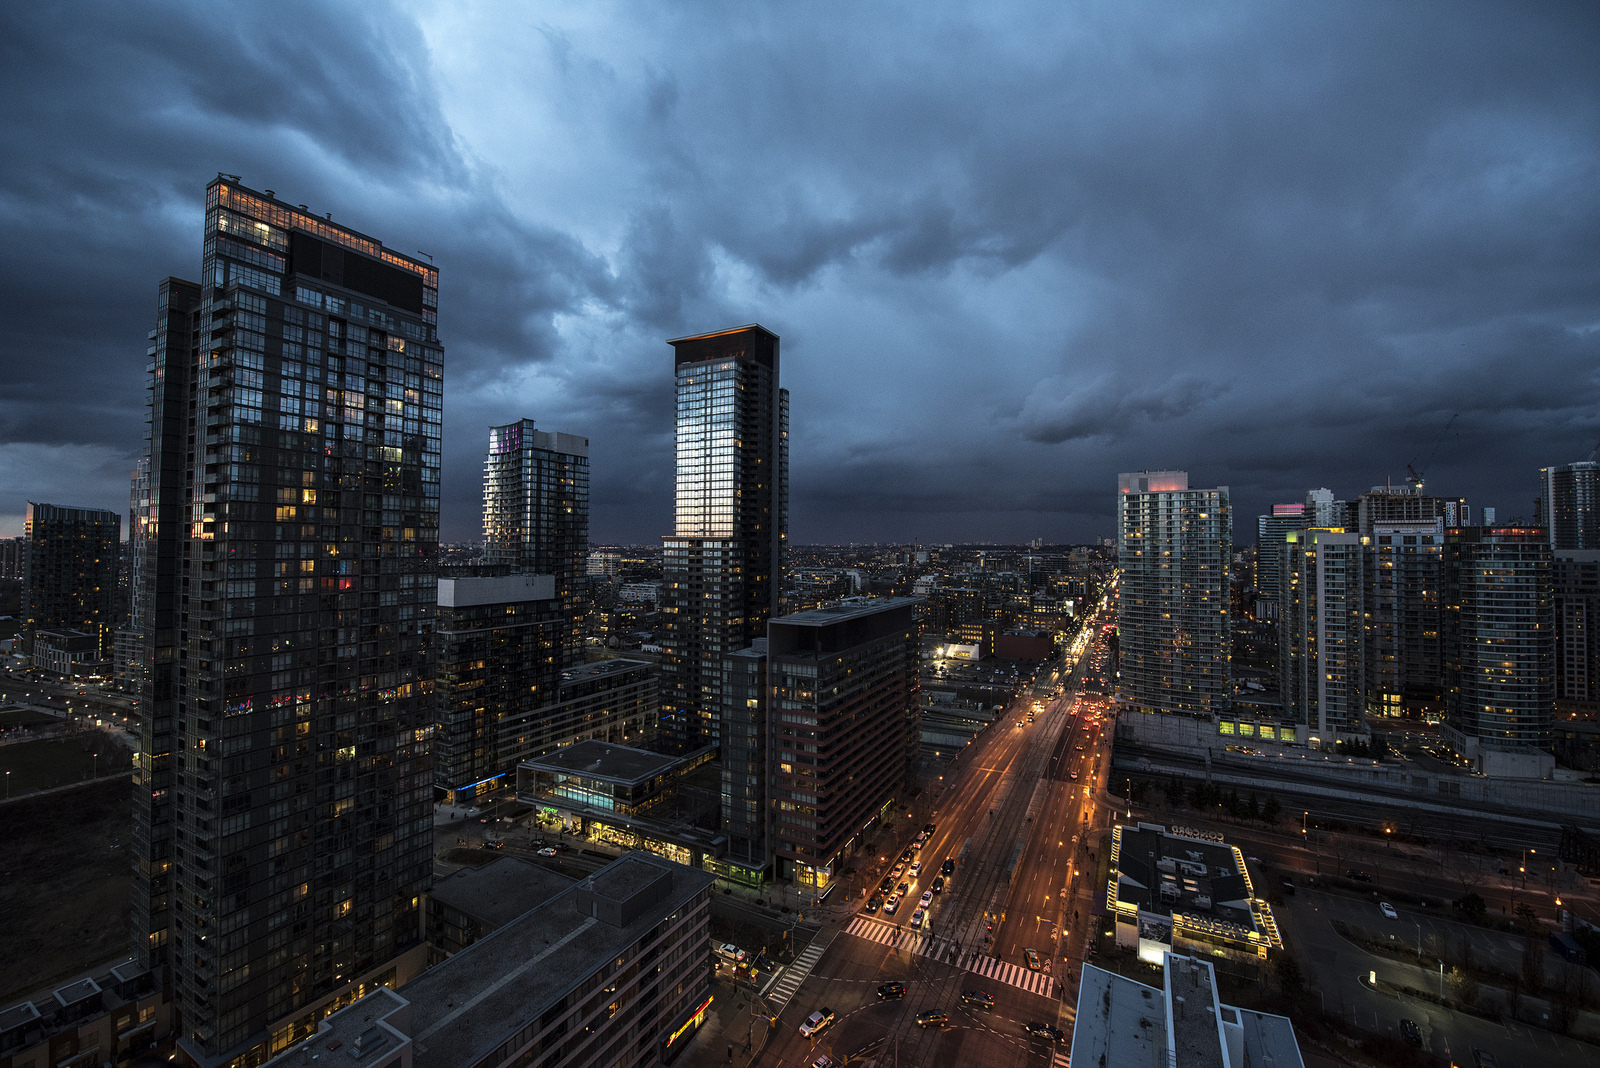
[
  {"x": 536, "y": 514},
  {"x": 723, "y": 564},
  {"x": 1271, "y": 532},
  {"x": 69, "y": 573},
  {"x": 1321, "y": 669},
  {"x": 1500, "y": 637},
  {"x": 1174, "y": 545},
  {"x": 282, "y": 789},
  {"x": 1570, "y": 503}
]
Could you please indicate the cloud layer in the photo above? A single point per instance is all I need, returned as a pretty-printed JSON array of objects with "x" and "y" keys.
[{"x": 1010, "y": 252}]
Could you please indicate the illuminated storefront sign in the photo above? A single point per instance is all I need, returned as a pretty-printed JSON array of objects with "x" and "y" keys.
[{"x": 691, "y": 1023}]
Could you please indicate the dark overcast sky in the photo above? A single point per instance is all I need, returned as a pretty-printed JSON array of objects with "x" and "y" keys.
[{"x": 1011, "y": 249}]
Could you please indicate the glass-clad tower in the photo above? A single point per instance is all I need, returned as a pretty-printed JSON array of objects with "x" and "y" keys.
[
  {"x": 1569, "y": 503},
  {"x": 1500, "y": 635},
  {"x": 282, "y": 784},
  {"x": 1173, "y": 546},
  {"x": 722, "y": 566},
  {"x": 1322, "y": 673},
  {"x": 536, "y": 514}
]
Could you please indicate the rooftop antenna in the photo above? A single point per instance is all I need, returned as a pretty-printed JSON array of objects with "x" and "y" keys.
[{"x": 422, "y": 253}]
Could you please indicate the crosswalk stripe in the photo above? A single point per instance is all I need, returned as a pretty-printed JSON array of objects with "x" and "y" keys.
[
  {"x": 939, "y": 948},
  {"x": 782, "y": 988}
]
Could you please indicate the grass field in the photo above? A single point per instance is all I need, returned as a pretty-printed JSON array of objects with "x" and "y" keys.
[
  {"x": 60, "y": 762},
  {"x": 65, "y": 880}
]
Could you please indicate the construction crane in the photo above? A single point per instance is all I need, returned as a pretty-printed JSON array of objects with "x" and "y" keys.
[{"x": 1415, "y": 475}]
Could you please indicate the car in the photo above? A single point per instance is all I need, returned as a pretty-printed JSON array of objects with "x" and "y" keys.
[
  {"x": 1411, "y": 1032},
  {"x": 937, "y": 885},
  {"x": 1044, "y": 1030},
  {"x": 816, "y": 1022},
  {"x": 1074, "y": 776},
  {"x": 947, "y": 868},
  {"x": 916, "y": 918},
  {"x": 1358, "y": 876},
  {"x": 927, "y": 898},
  {"x": 903, "y": 889},
  {"x": 890, "y": 905},
  {"x": 729, "y": 951},
  {"x": 897, "y": 871},
  {"x": 1388, "y": 910},
  {"x": 824, "y": 1061},
  {"x": 932, "y": 1018},
  {"x": 886, "y": 887},
  {"x": 978, "y": 998},
  {"x": 916, "y": 869},
  {"x": 1032, "y": 958},
  {"x": 547, "y": 851},
  {"x": 874, "y": 903},
  {"x": 891, "y": 991},
  {"x": 927, "y": 828}
]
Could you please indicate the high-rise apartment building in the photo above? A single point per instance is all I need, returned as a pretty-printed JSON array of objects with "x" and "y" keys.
[
  {"x": 1570, "y": 505},
  {"x": 1174, "y": 546},
  {"x": 744, "y": 749},
  {"x": 1576, "y": 583},
  {"x": 11, "y": 559},
  {"x": 1321, "y": 667},
  {"x": 283, "y": 831},
  {"x": 1500, "y": 633},
  {"x": 536, "y": 513},
  {"x": 498, "y": 660},
  {"x": 129, "y": 661},
  {"x": 722, "y": 567},
  {"x": 842, "y": 718},
  {"x": 1405, "y": 621},
  {"x": 1405, "y": 531},
  {"x": 1271, "y": 532},
  {"x": 69, "y": 572}
]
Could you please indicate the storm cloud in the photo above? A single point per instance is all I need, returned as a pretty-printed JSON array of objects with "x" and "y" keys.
[{"x": 1011, "y": 249}]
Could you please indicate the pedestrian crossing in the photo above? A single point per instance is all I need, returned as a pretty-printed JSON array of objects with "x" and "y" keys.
[
  {"x": 1062, "y": 1058},
  {"x": 950, "y": 951},
  {"x": 785, "y": 983}
]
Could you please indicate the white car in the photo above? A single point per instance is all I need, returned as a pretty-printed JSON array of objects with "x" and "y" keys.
[
  {"x": 1388, "y": 910},
  {"x": 927, "y": 898},
  {"x": 816, "y": 1022},
  {"x": 916, "y": 918},
  {"x": 916, "y": 869}
]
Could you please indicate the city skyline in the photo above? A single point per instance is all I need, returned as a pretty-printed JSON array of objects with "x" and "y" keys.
[{"x": 1148, "y": 243}]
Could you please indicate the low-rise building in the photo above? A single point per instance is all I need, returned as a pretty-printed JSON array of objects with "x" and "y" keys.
[
  {"x": 67, "y": 652},
  {"x": 615, "y": 969},
  {"x": 1122, "y": 1023},
  {"x": 471, "y": 903},
  {"x": 86, "y": 1023},
  {"x": 622, "y": 796},
  {"x": 1172, "y": 888}
]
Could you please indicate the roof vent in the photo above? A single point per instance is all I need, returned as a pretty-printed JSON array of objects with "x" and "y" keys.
[{"x": 267, "y": 191}]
